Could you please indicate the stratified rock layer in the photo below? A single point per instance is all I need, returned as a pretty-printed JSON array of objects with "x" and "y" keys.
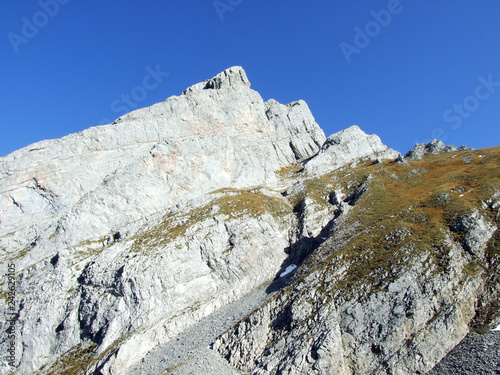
[
  {"x": 349, "y": 145},
  {"x": 116, "y": 238}
]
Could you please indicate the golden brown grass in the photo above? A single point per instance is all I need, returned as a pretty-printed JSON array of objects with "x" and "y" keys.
[
  {"x": 398, "y": 199},
  {"x": 234, "y": 204}
]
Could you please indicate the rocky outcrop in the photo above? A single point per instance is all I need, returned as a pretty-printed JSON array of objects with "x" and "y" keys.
[
  {"x": 349, "y": 145},
  {"x": 320, "y": 325},
  {"x": 316, "y": 329},
  {"x": 382, "y": 296},
  {"x": 434, "y": 147},
  {"x": 174, "y": 150},
  {"x": 476, "y": 232}
]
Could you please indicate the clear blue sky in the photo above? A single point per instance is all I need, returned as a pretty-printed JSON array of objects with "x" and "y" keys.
[{"x": 421, "y": 73}]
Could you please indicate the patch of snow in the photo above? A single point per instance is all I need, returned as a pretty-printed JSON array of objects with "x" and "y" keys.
[
  {"x": 323, "y": 238},
  {"x": 482, "y": 156},
  {"x": 454, "y": 156},
  {"x": 461, "y": 195},
  {"x": 496, "y": 329},
  {"x": 288, "y": 270}
]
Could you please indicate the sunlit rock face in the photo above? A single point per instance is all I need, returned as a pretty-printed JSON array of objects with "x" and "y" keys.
[
  {"x": 345, "y": 147},
  {"x": 217, "y": 134},
  {"x": 72, "y": 209},
  {"x": 125, "y": 235}
]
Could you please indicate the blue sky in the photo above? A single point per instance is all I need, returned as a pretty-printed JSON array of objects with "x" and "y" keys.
[{"x": 408, "y": 70}]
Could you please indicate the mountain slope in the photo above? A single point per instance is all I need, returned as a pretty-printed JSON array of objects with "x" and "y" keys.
[
  {"x": 410, "y": 267},
  {"x": 126, "y": 235},
  {"x": 96, "y": 222}
]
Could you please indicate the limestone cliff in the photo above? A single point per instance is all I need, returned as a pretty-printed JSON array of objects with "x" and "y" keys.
[{"x": 125, "y": 235}]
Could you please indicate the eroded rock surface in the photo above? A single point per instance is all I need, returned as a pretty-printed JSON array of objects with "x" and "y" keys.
[
  {"x": 434, "y": 147},
  {"x": 349, "y": 145},
  {"x": 117, "y": 240},
  {"x": 125, "y": 236}
]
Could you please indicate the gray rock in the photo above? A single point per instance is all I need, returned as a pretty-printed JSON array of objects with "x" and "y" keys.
[
  {"x": 231, "y": 77},
  {"x": 443, "y": 199},
  {"x": 433, "y": 147},
  {"x": 476, "y": 354},
  {"x": 181, "y": 252},
  {"x": 401, "y": 326},
  {"x": 477, "y": 231},
  {"x": 345, "y": 147}
]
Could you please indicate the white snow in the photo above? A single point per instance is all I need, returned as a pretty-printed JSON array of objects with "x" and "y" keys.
[
  {"x": 496, "y": 329},
  {"x": 289, "y": 269}
]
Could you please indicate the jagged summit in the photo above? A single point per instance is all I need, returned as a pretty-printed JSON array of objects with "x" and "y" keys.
[
  {"x": 232, "y": 77},
  {"x": 178, "y": 149}
]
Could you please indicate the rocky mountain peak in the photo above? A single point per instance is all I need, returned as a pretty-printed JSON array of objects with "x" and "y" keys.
[
  {"x": 143, "y": 245},
  {"x": 210, "y": 138},
  {"x": 231, "y": 77}
]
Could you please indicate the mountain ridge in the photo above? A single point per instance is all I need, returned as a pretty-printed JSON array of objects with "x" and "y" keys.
[{"x": 125, "y": 235}]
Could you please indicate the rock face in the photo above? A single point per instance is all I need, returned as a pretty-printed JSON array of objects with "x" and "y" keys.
[
  {"x": 79, "y": 213},
  {"x": 175, "y": 150},
  {"x": 125, "y": 235},
  {"x": 433, "y": 147},
  {"x": 381, "y": 295},
  {"x": 345, "y": 147},
  {"x": 316, "y": 328}
]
